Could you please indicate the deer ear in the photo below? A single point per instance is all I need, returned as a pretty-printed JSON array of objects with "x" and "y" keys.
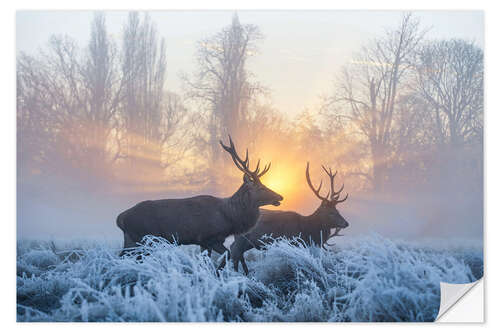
[{"x": 246, "y": 179}]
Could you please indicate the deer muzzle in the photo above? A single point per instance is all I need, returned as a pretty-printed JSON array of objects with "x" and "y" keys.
[{"x": 277, "y": 202}]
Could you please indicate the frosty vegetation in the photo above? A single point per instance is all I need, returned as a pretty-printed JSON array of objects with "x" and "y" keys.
[{"x": 368, "y": 278}]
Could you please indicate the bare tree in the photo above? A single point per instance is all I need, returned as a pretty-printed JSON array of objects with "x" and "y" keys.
[
  {"x": 87, "y": 109},
  {"x": 143, "y": 69},
  {"x": 175, "y": 136},
  {"x": 222, "y": 84},
  {"x": 413, "y": 145},
  {"x": 34, "y": 135},
  {"x": 49, "y": 97},
  {"x": 103, "y": 91},
  {"x": 450, "y": 79},
  {"x": 67, "y": 101},
  {"x": 369, "y": 88}
]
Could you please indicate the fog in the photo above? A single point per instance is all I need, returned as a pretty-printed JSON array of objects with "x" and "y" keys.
[
  {"x": 55, "y": 212},
  {"x": 100, "y": 128}
]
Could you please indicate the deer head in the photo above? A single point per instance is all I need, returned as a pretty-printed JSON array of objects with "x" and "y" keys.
[
  {"x": 257, "y": 192},
  {"x": 327, "y": 211}
]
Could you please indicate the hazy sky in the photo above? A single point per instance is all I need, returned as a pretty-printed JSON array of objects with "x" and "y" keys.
[{"x": 299, "y": 57}]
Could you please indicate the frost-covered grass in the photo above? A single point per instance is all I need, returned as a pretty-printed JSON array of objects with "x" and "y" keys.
[{"x": 360, "y": 279}]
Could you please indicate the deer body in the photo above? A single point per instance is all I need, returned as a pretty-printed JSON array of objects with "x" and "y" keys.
[
  {"x": 313, "y": 229},
  {"x": 203, "y": 220},
  {"x": 277, "y": 223},
  {"x": 179, "y": 220}
]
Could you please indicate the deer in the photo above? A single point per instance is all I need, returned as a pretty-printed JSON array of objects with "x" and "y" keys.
[
  {"x": 202, "y": 220},
  {"x": 313, "y": 229}
]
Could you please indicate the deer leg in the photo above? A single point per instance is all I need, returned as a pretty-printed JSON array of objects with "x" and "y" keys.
[
  {"x": 220, "y": 248},
  {"x": 235, "y": 256},
  {"x": 208, "y": 249},
  {"x": 238, "y": 248},
  {"x": 128, "y": 243},
  {"x": 236, "y": 262},
  {"x": 244, "y": 264}
]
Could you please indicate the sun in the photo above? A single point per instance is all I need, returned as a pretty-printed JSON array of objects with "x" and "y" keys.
[
  {"x": 283, "y": 182},
  {"x": 276, "y": 183}
]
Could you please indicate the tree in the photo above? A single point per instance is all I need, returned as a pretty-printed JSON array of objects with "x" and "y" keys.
[
  {"x": 413, "y": 145},
  {"x": 49, "y": 102},
  {"x": 81, "y": 111},
  {"x": 67, "y": 102},
  {"x": 449, "y": 75},
  {"x": 450, "y": 80},
  {"x": 223, "y": 85},
  {"x": 34, "y": 135},
  {"x": 369, "y": 89},
  {"x": 103, "y": 91},
  {"x": 143, "y": 69}
]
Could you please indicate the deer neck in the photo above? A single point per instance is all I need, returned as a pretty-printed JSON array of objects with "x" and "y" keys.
[
  {"x": 315, "y": 217},
  {"x": 241, "y": 210},
  {"x": 316, "y": 223}
]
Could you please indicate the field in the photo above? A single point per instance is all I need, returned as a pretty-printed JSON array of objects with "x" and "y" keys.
[{"x": 369, "y": 278}]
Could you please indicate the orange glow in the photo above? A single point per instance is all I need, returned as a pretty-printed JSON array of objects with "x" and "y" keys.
[
  {"x": 280, "y": 183},
  {"x": 285, "y": 179},
  {"x": 140, "y": 171}
]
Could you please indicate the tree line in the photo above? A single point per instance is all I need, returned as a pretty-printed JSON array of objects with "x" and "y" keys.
[{"x": 405, "y": 113}]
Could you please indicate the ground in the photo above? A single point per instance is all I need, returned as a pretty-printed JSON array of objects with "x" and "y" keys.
[{"x": 369, "y": 278}]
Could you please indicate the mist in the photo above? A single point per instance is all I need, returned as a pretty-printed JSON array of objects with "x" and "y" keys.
[
  {"x": 63, "y": 212},
  {"x": 100, "y": 129}
]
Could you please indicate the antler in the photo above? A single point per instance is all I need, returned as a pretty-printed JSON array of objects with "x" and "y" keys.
[
  {"x": 244, "y": 165},
  {"x": 334, "y": 197},
  {"x": 266, "y": 169},
  {"x": 335, "y": 194},
  {"x": 316, "y": 191},
  {"x": 339, "y": 201}
]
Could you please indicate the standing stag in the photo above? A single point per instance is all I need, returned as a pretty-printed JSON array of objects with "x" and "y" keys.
[
  {"x": 203, "y": 220},
  {"x": 313, "y": 229}
]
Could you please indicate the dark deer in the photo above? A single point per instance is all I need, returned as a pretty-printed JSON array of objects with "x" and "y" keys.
[
  {"x": 313, "y": 229},
  {"x": 203, "y": 220}
]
